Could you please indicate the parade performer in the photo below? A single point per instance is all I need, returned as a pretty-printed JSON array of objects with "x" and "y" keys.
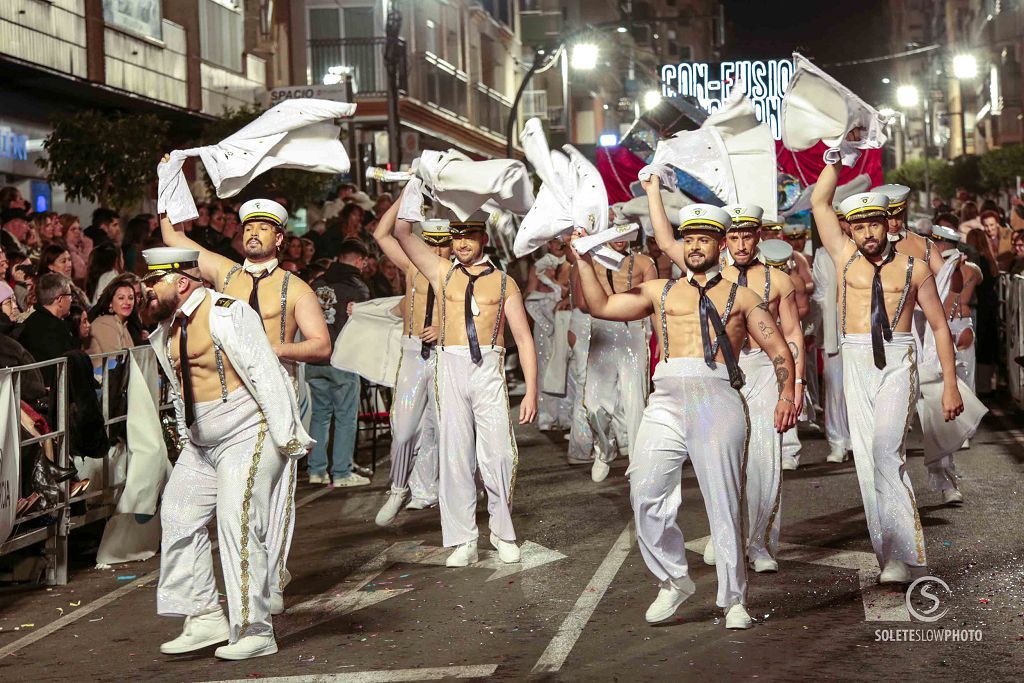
[
  {"x": 239, "y": 427},
  {"x": 476, "y": 301},
  {"x": 546, "y": 288},
  {"x": 617, "y": 362},
  {"x": 906, "y": 241},
  {"x": 791, "y": 445},
  {"x": 696, "y": 412},
  {"x": 288, "y": 307},
  {"x": 413, "y": 409},
  {"x": 878, "y": 289}
]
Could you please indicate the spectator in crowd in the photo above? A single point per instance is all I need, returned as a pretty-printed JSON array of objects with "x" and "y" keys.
[
  {"x": 106, "y": 227},
  {"x": 348, "y": 225},
  {"x": 201, "y": 225},
  {"x": 17, "y": 234},
  {"x": 316, "y": 269},
  {"x": 12, "y": 204},
  {"x": 44, "y": 333},
  {"x": 111, "y": 314},
  {"x": 333, "y": 207},
  {"x": 9, "y": 310},
  {"x": 370, "y": 273},
  {"x": 291, "y": 253},
  {"x": 136, "y": 235},
  {"x": 383, "y": 203},
  {"x": 969, "y": 217},
  {"x": 389, "y": 278},
  {"x": 12, "y": 352},
  {"x": 54, "y": 258},
  {"x": 79, "y": 328},
  {"x": 317, "y": 235},
  {"x": 79, "y": 246},
  {"x": 5, "y": 267},
  {"x": 363, "y": 201},
  {"x": 1017, "y": 241},
  {"x": 986, "y": 310},
  {"x": 308, "y": 250},
  {"x": 106, "y": 262},
  {"x": 335, "y": 393},
  {"x": 45, "y": 225},
  {"x": 998, "y": 238},
  {"x": 20, "y": 271}
]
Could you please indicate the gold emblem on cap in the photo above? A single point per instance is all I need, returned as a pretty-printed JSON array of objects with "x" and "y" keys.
[
  {"x": 697, "y": 212},
  {"x": 864, "y": 200}
]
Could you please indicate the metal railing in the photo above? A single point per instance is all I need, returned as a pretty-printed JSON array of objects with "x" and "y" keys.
[
  {"x": 363, "y": 58},
  {"x": 439, "y": 83},
  {"x": 1011, "y": 321},
  {"x": 100, "y": 500}
]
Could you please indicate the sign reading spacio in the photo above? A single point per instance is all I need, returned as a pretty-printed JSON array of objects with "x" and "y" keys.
[{"x": 764, "y": 82}]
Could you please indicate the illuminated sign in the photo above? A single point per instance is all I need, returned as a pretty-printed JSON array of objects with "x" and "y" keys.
[
  {"x": 764, "y": 82},
  {"x": 13, "y": 145}
]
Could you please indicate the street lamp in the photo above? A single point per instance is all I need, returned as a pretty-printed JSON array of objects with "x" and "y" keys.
[
  {"x": 652, "y": 98},
  {"x": 965, "y": 66},
  {"x": 584, "y": 56},
  {"x": 907, "y": 96}
]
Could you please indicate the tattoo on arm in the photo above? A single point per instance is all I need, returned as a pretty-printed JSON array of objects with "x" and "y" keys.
[
  {"x": 794, "y": 350},
  {"x": 763, "y": 306},
  {"x": 781, "y": 371},
  {"x": 765, "y": 330}
]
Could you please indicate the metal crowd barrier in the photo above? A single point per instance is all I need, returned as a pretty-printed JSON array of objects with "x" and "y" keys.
[
  {"x": 98, "y": 502},
  {"x": 1011, "y": 299}
]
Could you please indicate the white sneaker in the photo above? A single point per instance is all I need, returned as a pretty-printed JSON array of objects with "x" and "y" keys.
[
  {"x": 420, "y": 504},
  {"x": 567, "y": 436},
  {"x": 762, "y": 566},
  {"x": 895, "y": 571},
  {"x": 508, "y": 551},
  {"x": 737, "y": 618},
  {"x": 352, "y": 479},
  {"x": 319, "y": 478},
  {"x": 391, "y": 506},
  {"x": 599, "y": 472},
  {"x": 248, "y": 647},
  {"x": 276, "y": 602},
  {"x": 200, "y": 631},
  {"x": 789, "y": 462},
  {"x": 709, "y": 552},
  {"x": 837, "y": 454},
  {"x": 464, "y": 555},
  {"x": 952, "y": 497},
  {"x": 672, "y": 594}
]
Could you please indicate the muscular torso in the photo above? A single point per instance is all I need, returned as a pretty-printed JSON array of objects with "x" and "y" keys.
[
  {"x": 803, "y": 269},
  {"x": 561, "y": 277},
  {"x": 779, "y": 286},
  {"x": 240, "y": 286},
  {"x": 958, "y": 303},
  {"x": 625, "y": 278},
  {"x": 682, "y": 318},
  {"x": 202, "y": 357},
  {"x": 487, "y": 292},
  {"x": 859, "y": 277},
  {"x": 913, "y": 244},
  {"x": 417, "y": 289}
]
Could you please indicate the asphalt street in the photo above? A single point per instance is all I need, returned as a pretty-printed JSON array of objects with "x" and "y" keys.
[{"x": 370, "y": 604}]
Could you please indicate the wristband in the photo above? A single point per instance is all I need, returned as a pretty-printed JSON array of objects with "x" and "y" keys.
[{"x": 783, "y": 398}]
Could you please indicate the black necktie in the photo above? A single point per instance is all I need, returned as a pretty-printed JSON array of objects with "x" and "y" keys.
[
  {"x": 474, "y": 343},
  {"x": 427, "y": 319},
  {"x": 254, "y": 299},
  {"x": 709, "y": 314},
  {"x": 611, "y": 283},
  {"x": 742, "y": 279},
  {"x": 186, "y": 370},
  {"x": 879, "y": 317}
]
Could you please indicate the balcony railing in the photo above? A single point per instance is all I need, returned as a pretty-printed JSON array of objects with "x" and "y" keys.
[
  {"x": 492, "y": 109},
  {"x": 363, "y": 58},
  {"x": 439, "y": 83}
]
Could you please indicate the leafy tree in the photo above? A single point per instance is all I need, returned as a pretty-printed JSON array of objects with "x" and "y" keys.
[
  {"x": 109, "y": 159},
  {"x": 912, "y": 174},
  {"x": 299, "y": 187},
  {"x": 1000, "y": 167}
]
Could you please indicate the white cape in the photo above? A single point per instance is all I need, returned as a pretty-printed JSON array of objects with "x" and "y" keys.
[{"x": 370, "y": 343}]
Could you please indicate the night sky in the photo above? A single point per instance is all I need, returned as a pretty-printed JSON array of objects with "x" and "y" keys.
[{"x": 825, "y": 31}]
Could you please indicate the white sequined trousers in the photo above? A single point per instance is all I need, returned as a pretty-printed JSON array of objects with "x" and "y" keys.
[
  {"x": 837, "y": 424},
  {"x": 879, "y": 404},
  {"x": 476, "y": 432},
  {"x": 282, "y": 507},
  {"x": 414, "y": 419},
  {"x": 693, "y": 414},
  {"x": 228, "y": 468},
  {"x": 541, "y": 308},
  {"x": 764, "y": 463},
  {"x": 617, "y": 371},
  {"x": 581, "y": 436}
]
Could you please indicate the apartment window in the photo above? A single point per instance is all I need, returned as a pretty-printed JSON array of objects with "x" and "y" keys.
[
  {"x": 431, "y": 36},
  {"x": 221, "y": 31},
  {"x": 138, "y": 17}
]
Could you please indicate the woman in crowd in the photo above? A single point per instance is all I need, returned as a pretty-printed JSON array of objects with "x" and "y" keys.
[
  {"x": 1017, "y": 242},
  {"x": 79, "y": 246},
  {"x": 998, "y": 238},
  {"x": 969, "y": 217},
  {"x": 79, "y": 327},
  {"x": 291, "y": 253},
  {"x": 308, "y": 250},
  {"x": 114, "y": 308},
  {"x": 105, "y": 263},
  {"x": 55, "y": 258},
  {"x": 986, "y": 310}
]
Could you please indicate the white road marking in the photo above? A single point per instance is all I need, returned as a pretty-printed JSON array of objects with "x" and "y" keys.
[
  {"x": 428, "y": 674},
  {"x": 561, "y": 645},
  {"x": 881, "y": 603},
  {"x": 110, "y": 597},
  {"x": 531, "y": 555}
]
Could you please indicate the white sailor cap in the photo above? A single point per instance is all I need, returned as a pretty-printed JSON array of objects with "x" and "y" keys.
[
  {"x": 704, "y": 217},
  {"x": 794, "y": 230},
  {"x": 897, "y": 195},
  {"x": 263, "y": 210},
  {"x": 922, "y": 227},
  {"x": 775, "y": 253},
  {"x": 436, "y": 231},
  {"x": 942, "y": 232},
  {"x": 162, "y": 261},
  {"x": 865, "y": 205},
  {"x": 745, "y": 216},
  {"x": 626, "y": 232},
  {"x": 479, "y": 220}
]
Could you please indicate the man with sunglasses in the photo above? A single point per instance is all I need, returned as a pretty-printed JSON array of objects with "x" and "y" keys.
[{"x": 239, "y": 427}]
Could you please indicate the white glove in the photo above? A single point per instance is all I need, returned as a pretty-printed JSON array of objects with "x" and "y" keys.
[
  {"x": 664, "y": 172},
  {"x": 411, "y": 209}
]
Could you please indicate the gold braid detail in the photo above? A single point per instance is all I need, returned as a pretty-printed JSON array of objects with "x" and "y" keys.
[{"x": 244, "y": 542}]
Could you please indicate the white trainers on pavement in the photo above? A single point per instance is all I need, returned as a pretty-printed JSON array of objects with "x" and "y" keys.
[
  {"x": 464, "y": 555},
  {"x": 709, "y": 552},
  {"x": 837, "y": 454},
  {"x": 672, "y": 594},
  {"x": 508, "y": 551},
  {"x": 319, "y": 478},
  {"x": 952, "y": 497},
  {"x": 391, "y": 506},
  {"x": 895, "y": 571},
  {"x": 599, "y": 472},
  {"x": 737, "y": 617},
  {"x": 199, "y": 631},
  {"x": 248, "y": 647},
  {"x": 766, "y": 566},
  {"x": 352, "y": 479},
  {"x": 420, "y": 504},
  {"x": 276, "y": 602},
  {"x": 789, "y": 462}
]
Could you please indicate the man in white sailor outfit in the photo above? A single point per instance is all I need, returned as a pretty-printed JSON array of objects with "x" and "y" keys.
[{"x": 239, "y": 427}]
